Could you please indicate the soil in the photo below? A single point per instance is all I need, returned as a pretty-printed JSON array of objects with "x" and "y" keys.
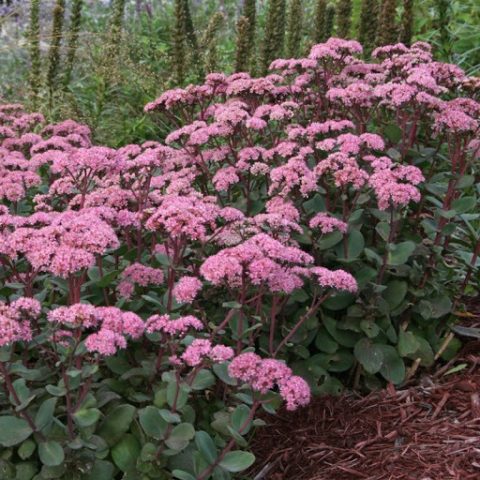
[{"x": 429, "y": 431}]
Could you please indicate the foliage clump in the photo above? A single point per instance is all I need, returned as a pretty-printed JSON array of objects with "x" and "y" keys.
[{"x": 294, "y": 233}]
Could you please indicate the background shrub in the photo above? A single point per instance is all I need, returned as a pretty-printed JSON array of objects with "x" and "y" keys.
[{"x": 105, "y": 77}]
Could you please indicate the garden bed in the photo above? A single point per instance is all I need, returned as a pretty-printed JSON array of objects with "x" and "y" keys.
[{"x": 428, "y": 431}]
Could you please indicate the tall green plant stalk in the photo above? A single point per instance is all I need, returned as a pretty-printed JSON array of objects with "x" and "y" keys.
[
  {"x": 55, "y": 45},
  {"x": 73, "y": 33},
  {"x": 210, "y": 41},
  {"x": 368, "y": 27},
  {"x": 387, "y": 28},
  {"x": 116, "y": 27},
  {"x": 344, "y": 18},
  {"x": 329, "y": 21},
  {"x": 406, "y": 31},
  {"x": 320, "y": 17},
  {"x": 294, "y": 28},
  {"x": 443, "y": 14},
  {"x": 34, "y": 47},
  {"x": 191, "y": 37},
  {"x": 274, "y": 36},
  {"x": 178, "y": 44},
  {"x": 250, "y": 13},
  {"x": 243, "y": 45}
]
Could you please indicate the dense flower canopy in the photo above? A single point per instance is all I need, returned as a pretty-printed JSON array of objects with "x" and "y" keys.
[{"x": 289, "y": 228}]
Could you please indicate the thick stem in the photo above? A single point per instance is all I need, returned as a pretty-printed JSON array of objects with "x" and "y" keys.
[
  {"x": 206, "y": 473},
  {"x": 11, "y": 390},
  {"x": 312, "y": 310}
]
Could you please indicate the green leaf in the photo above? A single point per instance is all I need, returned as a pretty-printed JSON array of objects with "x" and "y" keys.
[
  {"x": 179, "y": 397},
  {"x": 108, "y": 279},
  {"x": 94, "y": 274},
  {"x": 206, "y": 446},
  {"x": 203, "y": 379},
  {"x": 441, "y": 305},
  {"x": 407, "y": 343},
  {"x": 339, "y": 301},
  {"x": 393, "y": 368},
  {"x": 324, "y": 341},
  {"x": 355, "y": 246},
  {"x": 463, "y": 205},
  {"x": 221, "y": 371},
  {"x": 237, "y": 461},
  {"x": 456, "y": 369},
  {"x": 86, "y": 417},
  {"x": 346, "y": 338},
  {"x": 45, "y": 413},
  {"x": 126, "y": 452},
  {"x": 13, "y": 431},
  {"x": 51, "y": 453},
  {"x": 26, "y": 470},
  {"x": 369, "y": 354},
  {"x": 370, "y": 328},
  {"x": 465, "y": 181},
  {"x": 169, "y": 417},
  {"x": 102, "y": 470},
  {"x": 471, "y": 332},
  {"x": 314, "y": 205},
  {"x": 395, "y": 293},
  {"x": 234, "y": 305},
  {"x": 239, "y": 440},
  {"x": 400, "y": 253},
  {"x": 181, "y": 475},
  {"x": 180, "y": 436},
  {"x": 329, "y": 240},
  {"x": 117, "y": 423},
  {"x": 424, "y": 352},
  {"x": 239, "y": 417},
  {"x": 152, "y": 422},
  {"x": 56, "y": 391},
  {"x": 393, "y": 132},
  {"x": 26, "y": 449}
]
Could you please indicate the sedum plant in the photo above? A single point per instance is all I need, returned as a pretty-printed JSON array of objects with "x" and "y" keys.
[{"x": 294, "y": 233}]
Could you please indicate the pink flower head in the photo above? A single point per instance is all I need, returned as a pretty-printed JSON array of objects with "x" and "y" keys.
[
  {"x": 15, "y": 320},
  {"x": 105, "y": 342},
  {"x": 244, "y": 366},
  {"x": 221, "y": 353},
  {"x": 179, "y": 326},
  {"x": 295, "y": 391},
  {"x": 77, "y": 315},
  {"x": 326, "y": 223},
  {"x": 269, "y": 373},
  {"x": 264, "y": 375},
  {"x": 191, "y": 216},
  {"x": 338, "y": 279},
  {"x": 196, "y": 352},
  {"x": 138, "y": 274},
  {"x": 187, "y": 289}
]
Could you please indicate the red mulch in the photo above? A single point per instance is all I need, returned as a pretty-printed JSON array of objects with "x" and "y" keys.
[{"x": 430, "y": 431}]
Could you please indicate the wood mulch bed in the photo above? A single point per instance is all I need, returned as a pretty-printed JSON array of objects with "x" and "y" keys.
[{"x": 430, "y": 431}]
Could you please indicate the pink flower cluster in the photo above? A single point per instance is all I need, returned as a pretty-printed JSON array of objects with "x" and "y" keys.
[
  {"x": 178, "y": 326},
  {"x": 264, "y": 260},
  {"x": 61, "y": 243},
  {"x": 261, "y": 259},
  {"x": 112, "y": 323},
  {"x": 266, "y": 374},
  {"x": 15, "y": 320},
  {"x": 326, "y": 223},
  {"x": 138, "y": 274},
  {"x": 201, "y": 349},
  {"x": 190, "y": 216},
  {"x": 187, "y": 289}
]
